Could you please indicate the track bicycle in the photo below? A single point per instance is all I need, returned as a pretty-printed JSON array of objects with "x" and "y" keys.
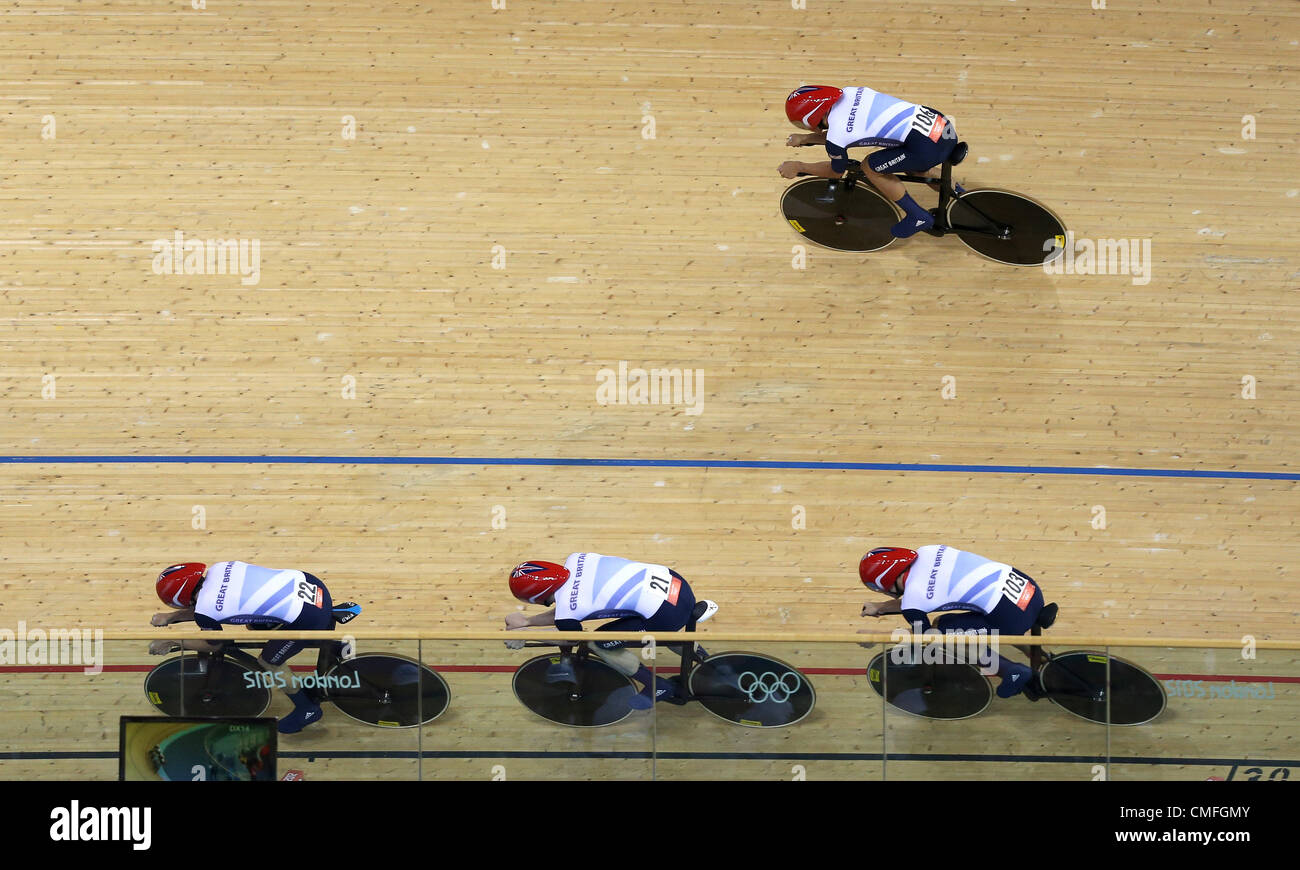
[
  {"x": 572, "y": 686},
  {"x": 849, "y": 214},
  {"x": 1089, "y": 684},
  {"x": 381, "y": 689}
]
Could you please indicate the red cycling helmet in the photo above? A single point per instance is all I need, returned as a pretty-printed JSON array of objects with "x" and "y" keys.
[
  {"x": 884, "y": 569},
  {"x": 537, "y": 582},
  {"x": 176, "y": 585},
  {"x": 808, "y": 106}
]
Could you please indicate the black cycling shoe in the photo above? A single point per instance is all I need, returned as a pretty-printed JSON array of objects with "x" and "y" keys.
[
  {"x": 670, "y": 694},
  {"x": 1033, "y": 690}
]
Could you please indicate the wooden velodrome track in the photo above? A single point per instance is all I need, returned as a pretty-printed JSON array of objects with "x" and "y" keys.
[{"x": 537, "y": 193}]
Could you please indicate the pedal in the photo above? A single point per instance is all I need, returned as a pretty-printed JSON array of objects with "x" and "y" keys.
[{"x": 1033, "y": 690}]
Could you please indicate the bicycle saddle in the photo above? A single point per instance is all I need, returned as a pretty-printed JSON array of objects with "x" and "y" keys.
[
  {"x": 958, "y": 154},
  {"x": 703, "y": 610},
  {"x": 346, "y": 612}
]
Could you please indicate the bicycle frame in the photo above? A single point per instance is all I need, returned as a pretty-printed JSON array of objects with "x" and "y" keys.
[{"x": 941, "y": 227}]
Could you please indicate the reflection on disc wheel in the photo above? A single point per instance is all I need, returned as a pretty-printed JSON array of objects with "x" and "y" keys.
[
  {"x": 753, "y": 690},
  {"x": 853, "y": 220},
  {"x": 387, "y": 690},
  {"x": 599, "y": 698},
  {"x": 935, "y": 691}
]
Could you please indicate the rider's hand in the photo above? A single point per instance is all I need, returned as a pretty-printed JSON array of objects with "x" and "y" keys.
[
  {"x": 790, "y": 169},
  {"x": 515, "y": 619},
  {"x": 162, "y": 647},
  {"x": 514, "y": 644},
  {"x": 869, "y": 609},
  {"x": 161, "y": 619},
  {"x": 795, "y": 140}
]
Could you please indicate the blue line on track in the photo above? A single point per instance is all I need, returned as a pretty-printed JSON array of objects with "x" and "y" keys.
[{"x": 1095, "y": 471}]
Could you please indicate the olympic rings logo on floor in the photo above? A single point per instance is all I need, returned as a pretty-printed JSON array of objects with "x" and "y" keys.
[{"x": 767, "y": 686}]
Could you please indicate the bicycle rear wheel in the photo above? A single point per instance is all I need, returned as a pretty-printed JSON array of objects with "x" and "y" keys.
[
  {"x": 752, "y": 690},
  {"x": 190, "y": 686},
  {"x": 1076, "y": 682},
  {"x": 843, "y": 220},
  {"x": 387, "y": 690},
  {"x": 1033, "y": 234},
  {"x": 932, "y": 691},
  {"x": 600, "y": 696}
]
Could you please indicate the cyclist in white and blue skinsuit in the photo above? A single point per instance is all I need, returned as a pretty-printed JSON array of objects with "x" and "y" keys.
[
  {"x": 637, "y": 596},
  {"x": 995, "y": 597},
  {"x": 915, "y": 139},
  {"x": 238, "y": 593}
]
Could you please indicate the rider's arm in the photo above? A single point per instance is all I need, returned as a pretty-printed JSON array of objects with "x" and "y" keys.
[
  {"x": 818, "y": 138},
  {"x": 200, "y": 645},
  {"x": 886, "y": 608},
  {"x": 547, "y": 618},
  {"x": 822, "y": 170},
  {"x": 162, "y": 647},
  {"x": 183, "y": 615}
]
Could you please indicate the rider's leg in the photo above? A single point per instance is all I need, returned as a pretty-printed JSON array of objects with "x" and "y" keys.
[
  {"x": 275, "y": 657},
  {"x": 329, "y": 655},
  {"x": 1014, "y": 676},
  {"x": 627, "y": 662},
  {"x": 306, "y": 708},
  {"x": 915, "y": 219},
  {"x": 622, "y": 660},
  {"x": 918, "y": 153},
  {"x": 679, "y": 612},
  {"x": 673, "y": 615}
]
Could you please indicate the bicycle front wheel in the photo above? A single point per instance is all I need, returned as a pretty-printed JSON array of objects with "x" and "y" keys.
[
  {"x": 599, "y": 697},
  {"x": 932, "y": 691},
  {"x": 190, "y": 686},
  {"x": 841, "y": 219}
]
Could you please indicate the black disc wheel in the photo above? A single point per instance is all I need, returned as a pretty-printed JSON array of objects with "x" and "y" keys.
[
  {"x": 1007, "y": 227},
  {"x": 934, "y": 691},
  {"x": 193, "y": 686},
  {"x": 752, "y": 690},
  {"x": 834, "y": 215},
  {"x": 598, "y": 695},
  {"x": 1102, "y": 688},
  {"x": 387, "y": 690}
]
